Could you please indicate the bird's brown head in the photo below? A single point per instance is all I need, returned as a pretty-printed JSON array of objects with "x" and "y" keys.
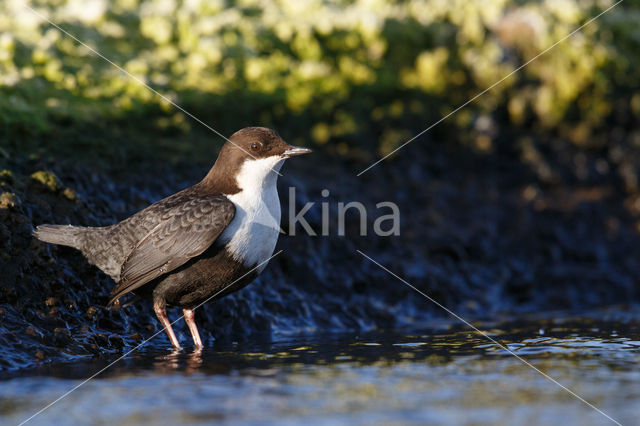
[{"x": 253, "y": 155}]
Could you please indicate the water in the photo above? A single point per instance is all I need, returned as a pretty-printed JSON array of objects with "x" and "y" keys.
[{"x": 442, "y": 374}]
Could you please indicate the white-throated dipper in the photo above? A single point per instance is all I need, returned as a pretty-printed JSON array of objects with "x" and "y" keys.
[{"x": 191, "y": 246}]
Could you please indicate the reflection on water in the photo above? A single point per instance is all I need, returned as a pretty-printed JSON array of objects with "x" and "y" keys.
[{"x": 439, "y": 375}]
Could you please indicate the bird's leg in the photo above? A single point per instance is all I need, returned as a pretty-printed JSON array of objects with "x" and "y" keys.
[
  {"x": 189, "y": 318},
  {"x": 161, "y": 313}
]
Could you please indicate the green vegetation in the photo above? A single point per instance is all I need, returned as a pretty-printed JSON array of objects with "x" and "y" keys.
[
  {"x": 48, "y": 180},
  {"x": 359, "y": 77},
  {"x": 8, "y": 200}
]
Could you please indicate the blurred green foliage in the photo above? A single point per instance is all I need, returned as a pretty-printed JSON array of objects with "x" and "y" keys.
[{"x": 359, "y": 77}]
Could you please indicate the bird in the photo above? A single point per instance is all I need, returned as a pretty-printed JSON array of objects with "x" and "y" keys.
[{"x": 201, "y": 243}]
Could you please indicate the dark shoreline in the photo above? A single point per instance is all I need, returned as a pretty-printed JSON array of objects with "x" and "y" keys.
[{"x": 482, "y": 234}]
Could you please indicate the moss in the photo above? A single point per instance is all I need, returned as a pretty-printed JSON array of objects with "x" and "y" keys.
[
  {"x": 70, "y": 194},
  {"x": 6, "y": 176},
  {"x": 47, "y": 179},
  {"x": 9, "y": 200},
  {"x": 92, "y": 312}
]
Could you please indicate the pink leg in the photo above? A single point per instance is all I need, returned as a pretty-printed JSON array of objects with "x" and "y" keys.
[
  {"x": 189, "y": 318},
  {"x": 162, "y": 316}
]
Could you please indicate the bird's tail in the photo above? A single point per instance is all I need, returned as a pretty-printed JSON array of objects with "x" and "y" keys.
[{"x": 65, "y": 235}]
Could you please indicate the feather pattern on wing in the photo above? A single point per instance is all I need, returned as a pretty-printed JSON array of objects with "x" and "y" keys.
[{"x": 184, "y": 232}]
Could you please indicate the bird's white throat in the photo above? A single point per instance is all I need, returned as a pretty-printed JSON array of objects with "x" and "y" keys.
[{"x": 252, "y": 234}]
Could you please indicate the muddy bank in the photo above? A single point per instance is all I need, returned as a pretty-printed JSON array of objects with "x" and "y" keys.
[{"x": 483, "y": 234}]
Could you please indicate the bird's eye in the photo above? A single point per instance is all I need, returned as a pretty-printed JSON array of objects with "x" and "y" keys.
[{"x": 255, "y": 146}]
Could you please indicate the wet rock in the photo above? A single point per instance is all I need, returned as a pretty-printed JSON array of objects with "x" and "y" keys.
[
  {"x": 116, "y": 342},
  {"x": 102, "y": 340}
]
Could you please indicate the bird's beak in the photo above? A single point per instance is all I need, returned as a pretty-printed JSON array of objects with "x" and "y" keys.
[{"x": 295, "y": 150}]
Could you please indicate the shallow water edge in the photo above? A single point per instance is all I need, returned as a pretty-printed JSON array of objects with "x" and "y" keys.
[{"x": 442, "y": 374}]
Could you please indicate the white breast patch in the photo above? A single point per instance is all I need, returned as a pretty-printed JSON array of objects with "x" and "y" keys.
[{"x": 252, "y": 235}]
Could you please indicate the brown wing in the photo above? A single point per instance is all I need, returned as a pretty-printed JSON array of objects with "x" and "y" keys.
[{"x": 185, "y": 231}]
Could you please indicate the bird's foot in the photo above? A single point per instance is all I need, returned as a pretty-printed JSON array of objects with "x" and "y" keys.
[
  {"x": 190, "y": 319},
  {"x": 161, "y": 313}
]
